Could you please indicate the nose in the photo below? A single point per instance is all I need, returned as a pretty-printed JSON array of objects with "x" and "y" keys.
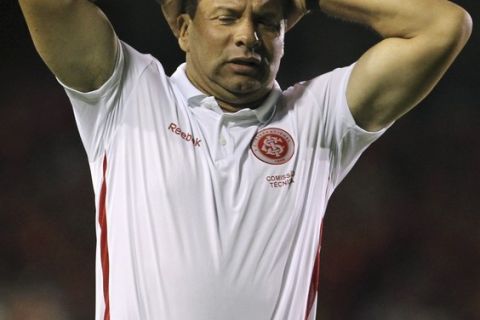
[{"x": 247, "y": 36}]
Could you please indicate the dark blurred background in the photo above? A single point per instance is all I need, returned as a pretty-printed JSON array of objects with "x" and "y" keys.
[{"x": 402, "y": 232}]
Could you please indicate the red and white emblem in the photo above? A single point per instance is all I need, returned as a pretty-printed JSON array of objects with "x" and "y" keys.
[{"x": 273, "y": 146}]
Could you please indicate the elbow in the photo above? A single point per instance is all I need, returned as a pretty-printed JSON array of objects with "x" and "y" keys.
[
  {"x": 457, "y": 27},
  {"x": 466, "y": 25}
]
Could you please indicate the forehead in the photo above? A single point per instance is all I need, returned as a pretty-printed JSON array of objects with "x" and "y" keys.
[{"x": 256, "y": 5}]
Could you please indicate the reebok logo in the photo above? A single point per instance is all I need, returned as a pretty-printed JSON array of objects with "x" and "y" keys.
[{"x": 174, "y": 128}]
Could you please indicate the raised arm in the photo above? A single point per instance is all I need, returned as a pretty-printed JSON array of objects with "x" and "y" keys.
[
  {"x": 74, "y": 38},
  {"x": 421, "y": 40}
]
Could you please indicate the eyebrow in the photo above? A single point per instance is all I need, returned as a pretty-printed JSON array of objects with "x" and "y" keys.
[
  {"x": 226, "y": 6},
  {"x": 264, "y": 12}
]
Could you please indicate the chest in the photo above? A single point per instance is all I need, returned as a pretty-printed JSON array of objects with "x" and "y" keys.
[{"x": 199, "y": 161}]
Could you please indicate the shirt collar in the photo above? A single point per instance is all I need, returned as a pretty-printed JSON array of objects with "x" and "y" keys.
[{"x": 196, "y": 98}]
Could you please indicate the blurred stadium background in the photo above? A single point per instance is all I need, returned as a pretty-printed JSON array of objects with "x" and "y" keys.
[{"x": 402, "y": 232}]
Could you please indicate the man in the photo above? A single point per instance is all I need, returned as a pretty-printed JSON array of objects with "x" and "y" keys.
[{"x": 211, "y": 184}]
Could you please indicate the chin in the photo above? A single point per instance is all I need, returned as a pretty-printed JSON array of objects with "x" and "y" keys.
[{"x": 247, "y": 85}]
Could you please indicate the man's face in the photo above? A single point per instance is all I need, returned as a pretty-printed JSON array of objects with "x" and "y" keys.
[{"x": 234, "y": 48}]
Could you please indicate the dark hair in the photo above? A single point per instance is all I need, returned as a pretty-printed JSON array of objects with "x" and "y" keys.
[{"x": 188, "y": 6}]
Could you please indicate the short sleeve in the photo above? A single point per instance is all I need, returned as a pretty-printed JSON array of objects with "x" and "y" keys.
[
  {"x": 97, "y": 113},
  {"x": 92, "y": 109},
  {"x": 347, "y": 140},
  {"x": 327, "y": 123}
]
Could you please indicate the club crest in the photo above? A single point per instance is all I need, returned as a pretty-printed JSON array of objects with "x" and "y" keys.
[{"x": 273, "y": 146}]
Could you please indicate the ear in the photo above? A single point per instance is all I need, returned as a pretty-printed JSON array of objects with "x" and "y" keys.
[
  {"x": 282, "y": 35},
  {"x": 183, "y": 26}
]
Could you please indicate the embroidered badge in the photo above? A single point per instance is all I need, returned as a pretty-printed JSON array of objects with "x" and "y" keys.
[{"x": 273, "y": 146}]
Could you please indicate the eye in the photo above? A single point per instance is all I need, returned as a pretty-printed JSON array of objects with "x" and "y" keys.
[
  {"x": 227, "y": 19},
  {"x": 270, "y": 24}
]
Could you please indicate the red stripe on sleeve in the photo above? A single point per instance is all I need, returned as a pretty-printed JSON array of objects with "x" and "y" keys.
[{"x": 102, "y": 220}]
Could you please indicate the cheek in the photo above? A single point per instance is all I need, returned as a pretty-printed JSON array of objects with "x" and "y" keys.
[
  {"x": 211, "y": 39},
  {"x": 276, "y": 50},
  {"x": 202, "y": 49},
  {"x": 281, "y": 48}
]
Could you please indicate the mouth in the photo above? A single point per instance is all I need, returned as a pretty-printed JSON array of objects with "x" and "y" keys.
[
  {"x": 254, "y": 61},
  {"x": 249, "y": 66}
]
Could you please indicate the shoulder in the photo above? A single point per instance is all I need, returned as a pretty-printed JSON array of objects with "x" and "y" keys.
[
  {"x": 138, "y": 63},
  {"x": 321, "y": 84},
  {"x": 321, "y": 91}
]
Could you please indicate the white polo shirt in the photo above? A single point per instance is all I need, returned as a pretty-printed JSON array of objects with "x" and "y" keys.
[{"x": 206, "y": 215}]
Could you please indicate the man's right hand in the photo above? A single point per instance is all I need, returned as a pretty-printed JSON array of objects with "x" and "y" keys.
[{"x": 74, "y": 39}]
